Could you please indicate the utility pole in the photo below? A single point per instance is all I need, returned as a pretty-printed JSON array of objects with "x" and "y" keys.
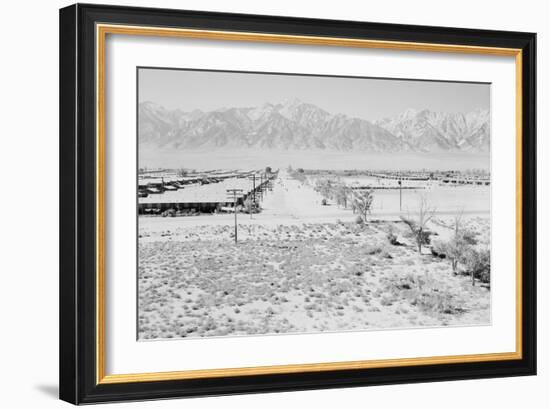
[
  {"x": 261, "y": 188},
  {"x": 254, "y": 189},
  {"x": 400, "y": 188},
  {"x": 234, "y": 193},
  {"x": 253, "y": 178}
]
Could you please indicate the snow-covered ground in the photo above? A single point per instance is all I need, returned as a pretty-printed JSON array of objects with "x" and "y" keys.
[{"x": 298, "y": 266}]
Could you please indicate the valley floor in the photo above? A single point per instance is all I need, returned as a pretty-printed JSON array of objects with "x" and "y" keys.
[{"x": 297, "y": 267}]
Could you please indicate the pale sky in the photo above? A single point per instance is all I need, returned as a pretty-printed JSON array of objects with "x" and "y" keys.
[{"x": 365, "y": 98}]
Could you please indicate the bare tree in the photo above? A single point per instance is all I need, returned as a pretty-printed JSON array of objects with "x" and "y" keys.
[
  {"x": 300, "y": 177},
  {"x": 456, "y": 247},
  {"x": 459, "y": 245},
  {"x": 325, "y": 187},
  {"x": 249, "y": 205},
  {"x": 342, "y": 194},
  {"x": 361, "y": 202},
  {"x": 418, "y": 224},
  {"x": 457, "y": 222}
]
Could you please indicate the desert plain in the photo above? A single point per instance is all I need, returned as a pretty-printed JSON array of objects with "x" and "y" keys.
[{"x": 303, "y": 265}]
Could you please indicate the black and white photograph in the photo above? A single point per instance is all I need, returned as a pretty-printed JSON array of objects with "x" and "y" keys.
[
  {"x": 263, "y": 200},
  {"x": 277, "y": 203}
]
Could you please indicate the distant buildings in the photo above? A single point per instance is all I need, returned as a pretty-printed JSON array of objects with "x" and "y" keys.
[{"x": 203, "y": 192}]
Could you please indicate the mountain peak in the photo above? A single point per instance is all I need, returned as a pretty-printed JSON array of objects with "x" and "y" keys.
[
  {"x": 409, "y": 113},
  {"x": 290, "y": 104},
  {"x": 295, "y": 124},
  {"x": 426, "y": 130}
]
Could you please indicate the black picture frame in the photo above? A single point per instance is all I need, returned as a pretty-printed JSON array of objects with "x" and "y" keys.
[{"x": 78, "y": 360}]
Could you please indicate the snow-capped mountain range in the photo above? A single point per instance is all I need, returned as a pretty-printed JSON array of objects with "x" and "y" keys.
[{"x": 297, "y": 125}]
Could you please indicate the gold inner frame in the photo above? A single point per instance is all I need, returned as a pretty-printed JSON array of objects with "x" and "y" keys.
[{"x": 101, "y": 33}]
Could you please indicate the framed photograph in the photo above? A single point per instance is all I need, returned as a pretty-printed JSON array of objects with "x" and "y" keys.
[{"x": 257, "y": 203}]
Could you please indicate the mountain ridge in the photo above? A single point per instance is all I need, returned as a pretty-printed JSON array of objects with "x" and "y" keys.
[{"x": 297, "y": 125}]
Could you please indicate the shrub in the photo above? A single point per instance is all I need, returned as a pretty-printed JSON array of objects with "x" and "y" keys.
[
  {"x": 478, "y": 264},
  {"x": 372, "y": 250},
  {"x": 424, "y": 293},
  {"x": 439, "y": 249},
  {"x": 469, "y": 237},
  {"x": 386, "y": 300},
  {"x": 324, "y": 202},
  {"x": 169, "y": 212},
  {"x": 392, "y": 237},
  {"x": 438, "y": 302}
]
